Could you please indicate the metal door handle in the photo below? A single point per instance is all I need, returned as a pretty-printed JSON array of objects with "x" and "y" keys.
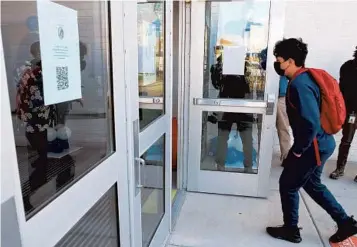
[
  {"x": 270, "y": 104},
  {"x": 151, "y": 100},
  {"x": 230, "y": 102},
  {"x": 141, "y": 162}
]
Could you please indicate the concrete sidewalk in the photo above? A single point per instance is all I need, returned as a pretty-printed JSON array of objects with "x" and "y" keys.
[{"x": 213, "y": 220}]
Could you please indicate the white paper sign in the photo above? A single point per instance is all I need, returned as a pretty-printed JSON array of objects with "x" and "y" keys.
[
  {"x": 147, "y": 48},
  {"x": 59, "y": 43},
  {"x": 147, "y": 56},
  {"x": 234, "y": 60}
]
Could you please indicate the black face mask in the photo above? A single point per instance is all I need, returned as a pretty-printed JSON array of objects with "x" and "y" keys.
[{"x": 278, "y": 70}]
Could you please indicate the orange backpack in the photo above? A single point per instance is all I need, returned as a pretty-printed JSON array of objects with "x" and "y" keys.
[{"x": 332, "y": 109}]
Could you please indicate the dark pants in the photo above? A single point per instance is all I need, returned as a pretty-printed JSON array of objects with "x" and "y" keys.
[
  {"x": 38, "y": 142},
  {"x": 348, "y": 132},
  {"x": 304, "y": 173},
  {"x": 62, "y": 110},
  {"x": 244, "y": 127}
]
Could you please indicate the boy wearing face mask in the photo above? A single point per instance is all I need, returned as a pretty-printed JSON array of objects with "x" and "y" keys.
[
  {"x": 301, "y": 168},
  {"x": 282, "y": 121}
]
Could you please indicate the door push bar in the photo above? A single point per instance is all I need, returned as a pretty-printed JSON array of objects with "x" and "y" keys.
[
  {"x": 269, "y": 104},
  {"x": 151, "y": 100}
]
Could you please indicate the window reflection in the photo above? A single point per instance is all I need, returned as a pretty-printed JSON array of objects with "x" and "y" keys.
[
  {"x": 153, "y": 191},
  {"x": 230, "y": 27},
  {"x": 98, "y": 227},
  {"x": 151, "y": 62},
  {"x": 56, "y": 143},
  {"x": 231, "y": 142}
]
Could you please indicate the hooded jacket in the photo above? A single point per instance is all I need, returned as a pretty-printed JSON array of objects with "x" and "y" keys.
[{"x": 348, "y": 84}]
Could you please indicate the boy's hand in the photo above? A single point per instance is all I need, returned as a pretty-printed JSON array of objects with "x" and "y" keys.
[{"x": 297, "y": 155}]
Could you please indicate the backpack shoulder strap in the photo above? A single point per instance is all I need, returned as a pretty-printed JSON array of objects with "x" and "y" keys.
[
  {"x": 315, "y": 142},
  {"x": 300, "y": 71}
]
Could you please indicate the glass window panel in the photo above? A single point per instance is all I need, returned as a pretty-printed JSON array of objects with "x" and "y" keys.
[
  {"x": 236, "y": 41},
  {"x": 98, "y": 227},
  {"x": 230, "y": 142},
  {"x": 57, "y": 143},
  {"x": 153, "y": 192},
  {"x": 151, "y": 60}
]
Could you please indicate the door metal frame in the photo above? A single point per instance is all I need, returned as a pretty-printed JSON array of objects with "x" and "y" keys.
[
  {"x": 48, "y": 226},
  {"x": 150, "y": 134},
  {"x": 256, "y": 185},
  {"x": 184, "y": 96}
]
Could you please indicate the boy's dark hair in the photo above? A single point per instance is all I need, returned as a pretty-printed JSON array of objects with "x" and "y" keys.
[
  {"x": 291, "y": 48},
  {"x": 355, "y": 54}
]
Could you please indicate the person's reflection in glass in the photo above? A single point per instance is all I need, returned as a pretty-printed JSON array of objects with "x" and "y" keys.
[
  {"x": 36, "y": 117},
  {"x": 231, "y": 86},
  {"x": 63, "y": 108},
  {"x": 67, "y": 171}
]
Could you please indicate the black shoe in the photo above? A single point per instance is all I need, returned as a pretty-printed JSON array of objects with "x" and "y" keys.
[
  {"x": 339, "y": 172},
  {"x": 344, "y": 231},
  {"x": 212, "y": 119},
  {"x": 288, "y": 233},
  {"x": 355, "y": 179}
]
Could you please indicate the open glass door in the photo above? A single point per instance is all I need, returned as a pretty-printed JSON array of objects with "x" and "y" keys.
[
  {"x": 66, "y": 161},
  {"x": 148, "y": 41},
  {"x": 233, "y": 92}
]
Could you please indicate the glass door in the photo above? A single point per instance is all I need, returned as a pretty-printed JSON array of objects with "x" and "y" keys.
[
  {"x": 64, "y": 139},
  {"x": 148, "y": 39},
  {"x": 233, "y": 92}
]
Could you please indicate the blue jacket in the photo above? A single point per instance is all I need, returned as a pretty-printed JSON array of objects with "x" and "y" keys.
[
  {"x": 283, "y": 85},
  {"x": 304, "y": 116}
]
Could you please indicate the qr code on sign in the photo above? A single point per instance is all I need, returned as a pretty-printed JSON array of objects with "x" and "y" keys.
[{"x": 62, "y": 78}]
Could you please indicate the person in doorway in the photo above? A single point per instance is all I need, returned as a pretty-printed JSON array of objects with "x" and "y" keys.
[
  {"x": 348, "y": 86},
  {"x": 282, "y": 121},
  {"x": 302, "y": 168},
  {"x": 36, "y": 117},
  {"x": 61, "y": 109},
  {"x": 232, "y": 86}
]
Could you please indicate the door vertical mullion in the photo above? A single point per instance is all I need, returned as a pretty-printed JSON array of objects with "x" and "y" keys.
[
  {"x": 276, "y": 32},
  {"x": 120, "y": 112},
  {"x": 10, "y": 176},
  {"x": 168, "y": 107},
  {"x": 132, "y": 99}
]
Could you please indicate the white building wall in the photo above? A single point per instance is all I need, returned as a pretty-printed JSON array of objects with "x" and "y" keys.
[{"x": 329, "y": 28}]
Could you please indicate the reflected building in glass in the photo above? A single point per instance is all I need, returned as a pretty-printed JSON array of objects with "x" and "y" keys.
[
  {"x": 56, "y": 144},
  {"x": 229, "y": 26}
]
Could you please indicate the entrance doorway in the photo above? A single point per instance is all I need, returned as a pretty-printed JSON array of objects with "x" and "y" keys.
[
  {"x": 63, "y": 131},
  {"x": 148, "y": 28},
  {"x": 233, "y": 93}
]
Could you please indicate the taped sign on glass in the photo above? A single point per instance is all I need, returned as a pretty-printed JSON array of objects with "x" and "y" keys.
[
  {"x": 60, "y": 56},
  {"x": 147, "y": 56},
  {"x": 234, "y": 60}
]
